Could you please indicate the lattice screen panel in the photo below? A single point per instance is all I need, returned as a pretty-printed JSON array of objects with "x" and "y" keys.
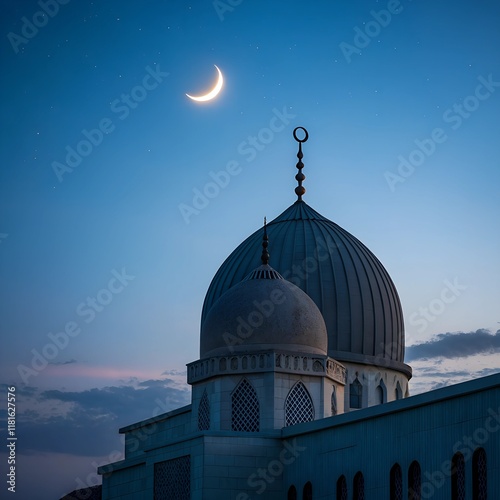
[
  {"x": 298, "y": 406},
  {"x": 359, "y": 487},
  {"x": 396, "y": 483},
  {"x": 414, "y": 481},
  {"x": 341, "y": 488},
  {"x": 479, "y": 475},
  {"x": 172, "y": 479},
  {"x": 245, "y": 415},
  {"x": 204, "y": 413},
  {"x": 458, "y": 477}
]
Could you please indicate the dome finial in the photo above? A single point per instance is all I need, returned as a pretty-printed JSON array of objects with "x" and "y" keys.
[
  {"x": 265, "y": 239},
  {"x": 300, "y": 190}
]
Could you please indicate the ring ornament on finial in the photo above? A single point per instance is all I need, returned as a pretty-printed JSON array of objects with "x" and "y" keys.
[{"x": 306, "y": 136}]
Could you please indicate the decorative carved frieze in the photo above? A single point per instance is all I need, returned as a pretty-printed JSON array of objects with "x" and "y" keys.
[{"x": 265, "y": 362}]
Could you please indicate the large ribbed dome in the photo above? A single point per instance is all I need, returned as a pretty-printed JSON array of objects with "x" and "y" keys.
[{"x": 351, "y": 288}]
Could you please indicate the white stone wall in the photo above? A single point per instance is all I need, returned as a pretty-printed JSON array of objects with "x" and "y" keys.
[
  {"x": 428, "y": 428},
  {"x": 272, "y": 389},
  {"x": 162, "y": 429},
  {"x": 126, "y": 484},
  {"x": 242, "y": 467}
]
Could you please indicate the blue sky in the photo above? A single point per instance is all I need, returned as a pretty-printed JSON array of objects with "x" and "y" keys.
[{"x": 401, "y": 101}]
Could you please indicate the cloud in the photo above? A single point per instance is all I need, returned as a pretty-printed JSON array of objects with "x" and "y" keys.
[
  {"x": 157, "y": 383},
  {"x": 431, "y": 372},
  {"x": 69, "y": 362},
  {"x": 455, "y": 345},
  {"x": 86, "y": 422},
  {"x": 485, "y": 372},
  {"x": 174, "y": 372}
]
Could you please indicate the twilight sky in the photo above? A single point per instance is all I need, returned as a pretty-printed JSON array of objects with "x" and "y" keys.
[{"x": 104, "y": 234}]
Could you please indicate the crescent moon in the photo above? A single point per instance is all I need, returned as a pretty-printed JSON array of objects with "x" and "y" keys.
[{"x": 213, "y": 93}]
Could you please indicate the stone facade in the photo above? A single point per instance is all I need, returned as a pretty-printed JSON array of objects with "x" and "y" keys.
[
  {"x": 272, "y": 375},
  {"x": 422, "y": 434},
  {"x": 379, "y": 385}
]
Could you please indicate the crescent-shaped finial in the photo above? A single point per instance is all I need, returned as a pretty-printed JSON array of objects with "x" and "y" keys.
[{"x": 300, "y": 177}]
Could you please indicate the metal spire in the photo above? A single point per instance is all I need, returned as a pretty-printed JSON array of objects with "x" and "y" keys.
[
  {"x": 265, "y": 254},
  {"x": 300, "y": 190}
]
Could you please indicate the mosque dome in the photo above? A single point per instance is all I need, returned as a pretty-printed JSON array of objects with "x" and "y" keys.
[
  {"x": 349, "y": 285},
  {"x": 263, "y": 312}
]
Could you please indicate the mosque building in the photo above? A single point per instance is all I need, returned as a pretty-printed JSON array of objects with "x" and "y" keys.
[{"x": 301, "y": 390}]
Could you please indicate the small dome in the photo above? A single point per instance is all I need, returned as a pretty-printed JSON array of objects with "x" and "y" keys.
[
  {"x": 352, "y": 289},
  {"x": 263, "y": 312}
]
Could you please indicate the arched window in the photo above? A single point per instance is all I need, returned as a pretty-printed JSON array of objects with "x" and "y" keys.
[
  {"x": 245, "y": 409},
  {"x": 292, "y": 493},
  {"x": 204, "y": 413},
  {"x": 341, "y": 488},
  {"x": 358, "y": 487},
  {"x": 307, "y": 492},
  {"x": 298, "y": 405},
  {"x": 334, "y": 400},
  {"x": 355, "y": 394},
  {"x": 479, "y": 475},
  {"x": 396, "y": 483},
  {"x": 399, "y": 392},
  {"x": 414, "y": 481},
  {"x": 458, "y": 477},
  {"x": 381, "y": 391}
]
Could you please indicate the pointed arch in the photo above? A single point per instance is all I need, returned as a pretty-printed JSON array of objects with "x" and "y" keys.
[
  {"x": 334, "y": 400},
  {"x": 204, "y": 413},
  {"x": 298, "y": 405},
  {"x": 479, "y": 475},
  {"x": 307, "y": 492},
  {"x": 381, "y": 391},
  {"x": 355, "y": 394},
  {"x": 358, "y": 486},
  {"x": 414, "y": 481},
  {"x": 396, "y": 482},
  {"x": 245, "y": 408},
  {"x": 292, "y": 493},
  {"x": 341, "y": 488},
  {"x": 458, "y": 477},
  {"x": 398, "y": 393}
]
